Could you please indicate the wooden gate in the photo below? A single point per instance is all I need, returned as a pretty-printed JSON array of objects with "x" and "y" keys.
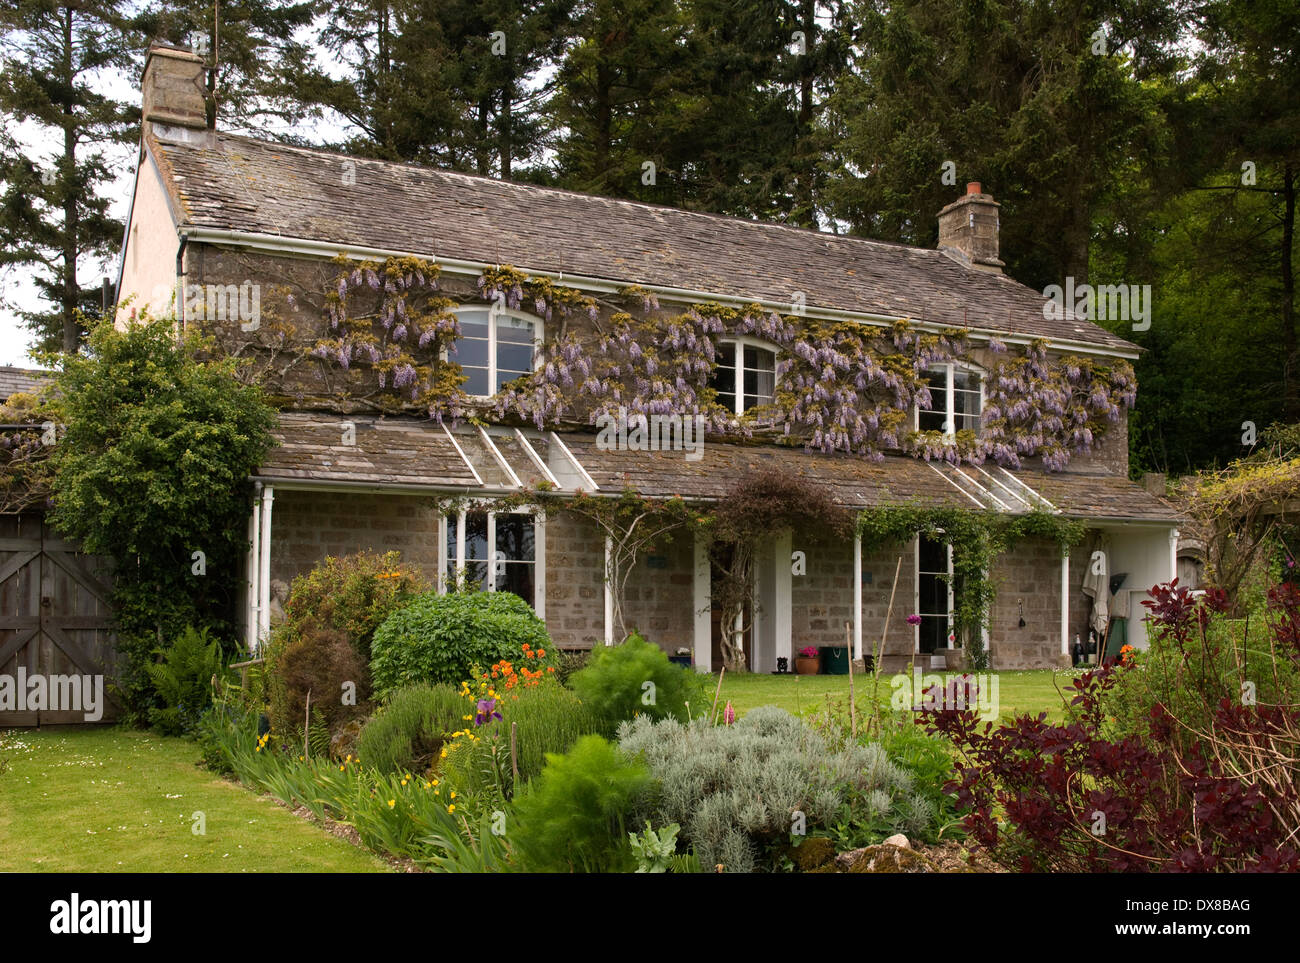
[{"x": 55, "y": 619}]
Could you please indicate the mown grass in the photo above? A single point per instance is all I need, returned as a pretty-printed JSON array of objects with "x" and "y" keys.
[
  {"x": 1018, "y": 692},
  {"x": 104, "y": 799}
]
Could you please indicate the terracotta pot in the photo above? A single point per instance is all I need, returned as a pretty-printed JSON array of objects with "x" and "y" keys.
[{"x": 807, "y": 665}]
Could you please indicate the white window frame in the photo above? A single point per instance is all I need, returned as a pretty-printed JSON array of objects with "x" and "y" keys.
[
  {"x": 950, "y": 397},
  {"x": 494, "y": 312},
  {"x": 916, "y": 594},
  {"x": 741, "y": 341},
  {"x": 539, "y": 551}
]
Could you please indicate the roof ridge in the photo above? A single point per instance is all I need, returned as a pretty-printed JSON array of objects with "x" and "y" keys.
[{"x": 569, "y": 192}]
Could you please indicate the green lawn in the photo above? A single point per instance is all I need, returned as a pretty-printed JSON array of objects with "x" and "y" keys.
[
  {"x": 104, "y": 799},
  {"x": 1018, "y": 692}
]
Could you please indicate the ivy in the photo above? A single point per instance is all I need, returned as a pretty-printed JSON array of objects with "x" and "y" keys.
[
  {"x": 977, "y": 539},
  {"x": 152, "y": 472}
]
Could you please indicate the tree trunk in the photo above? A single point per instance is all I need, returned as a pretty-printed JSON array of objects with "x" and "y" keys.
[{"x": 71, "y": 329}]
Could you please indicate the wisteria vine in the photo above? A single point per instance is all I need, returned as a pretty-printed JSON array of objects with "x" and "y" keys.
[{"x": 841, "y": 386}]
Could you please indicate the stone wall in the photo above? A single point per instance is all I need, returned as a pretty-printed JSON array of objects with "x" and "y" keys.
[
  {"x": 308, "y": 526},
  {"x": 822, "y": 600},
  {"x": 575, "y": 584}
]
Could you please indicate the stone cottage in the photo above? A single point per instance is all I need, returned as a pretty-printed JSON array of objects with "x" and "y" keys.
[{"x": 437, "y": 341}]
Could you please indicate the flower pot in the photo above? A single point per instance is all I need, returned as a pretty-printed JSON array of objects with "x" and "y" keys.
[{"x": 807, "y": 665}]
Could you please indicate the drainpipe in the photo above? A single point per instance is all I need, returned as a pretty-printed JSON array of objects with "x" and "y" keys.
[{"x": 180, "y": 282}]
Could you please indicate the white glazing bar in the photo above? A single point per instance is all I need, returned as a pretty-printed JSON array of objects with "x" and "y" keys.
[
  {"x": 975, "y": 500},
  {"x": 577, "y": 465},
  {"x": 461, "y": 451},
  {"x": 500, "y": 458},
  {"x": 536, "y": 458}
]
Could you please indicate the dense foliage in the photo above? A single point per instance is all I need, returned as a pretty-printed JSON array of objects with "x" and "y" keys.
[
  {"x": 635, "y": 678},
  {"x": 444, "y": 638},
  {"x": 408, "y": 731},
  {"x": 575, "y": 816},
  {"x": 152, "y": 472},
  {"x": 1173, "y": 763},
  {"x": 744, "y": 793},
  {"x": 184, "y": 677}
]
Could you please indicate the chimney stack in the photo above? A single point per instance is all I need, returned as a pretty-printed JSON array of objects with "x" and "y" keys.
[
  {"x": 968, "y": 229},
  {"x": 173, "y": 88}
]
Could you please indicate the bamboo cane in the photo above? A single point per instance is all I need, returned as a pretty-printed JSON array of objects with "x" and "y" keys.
[{"x": 880, "y": 650}]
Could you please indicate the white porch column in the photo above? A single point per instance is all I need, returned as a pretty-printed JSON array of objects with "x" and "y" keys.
[
  {"x": 857, "y": 595},
  {"x": 264, "y": 579},
  {"x": 1065, "y": 602},
  {"x": 253, "y": 598},
  {"x": 782, "y": 600},
  {"x": 609, "y": 593},
  {"x": 1173, "y": 553},
  {"x": 702, "y": 601},
  {"x": 539, "y": 565}
]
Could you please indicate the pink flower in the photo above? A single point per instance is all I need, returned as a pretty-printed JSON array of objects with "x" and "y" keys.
[
  {"x": 914, "y": 620},
  {"x": 729, "y": 713}
]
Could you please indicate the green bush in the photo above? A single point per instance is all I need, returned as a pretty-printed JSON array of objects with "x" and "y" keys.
[
  {"x": 574, "y": 816},
  {"x": 548, "y": 718},
  {"x": 742, "y": 792},
  {"x": 353, "y": 594},
  {"x": 408, "y": 731},
  {"x": 183, "y": 679},
  {"x": 160, "y": 441},
  {"x": 441, "y": 638},
  {"x": 636, "y": 678}
]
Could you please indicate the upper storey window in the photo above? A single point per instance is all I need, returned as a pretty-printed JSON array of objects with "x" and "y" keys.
[
  {"x": 956, "y": 399},
  {"x": 744, "y": 375},
  {"x": 495, "y": 347}
]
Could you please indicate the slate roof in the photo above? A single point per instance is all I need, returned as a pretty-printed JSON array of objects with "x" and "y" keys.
[
  {"x": 14, "y": 380},
  {"x": 412, "y": 452},
  {"x": 229, "y": 182}
]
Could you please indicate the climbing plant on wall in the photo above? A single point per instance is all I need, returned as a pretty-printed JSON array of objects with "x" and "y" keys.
[
  {"x": 841, "y": 386},
  {"x": 977, "y": 539}
]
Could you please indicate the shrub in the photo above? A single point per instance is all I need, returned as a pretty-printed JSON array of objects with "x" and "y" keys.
[
  {"x": 636, "y": 678},
  {"x": 408, "y": 731},
  {"x": 183, "y": 679},
  {"x": 741, "y": 791},
  {"x": 353, "y": 594},
  {"x": 574, "y": 816},
  {"x": 548, "y": 719},
  {"x": 160, "y": 440},
  {"x": 442, "y": 638},
  {"x": 341, "y": 599},
  {"x": 321, "y": 663},
  {"x": 1209, "y": 782}
]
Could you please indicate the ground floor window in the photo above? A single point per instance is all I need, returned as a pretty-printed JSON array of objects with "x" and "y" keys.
[
  {"x": 933, "y": 594},
  {"x": 494, "y": 552}
]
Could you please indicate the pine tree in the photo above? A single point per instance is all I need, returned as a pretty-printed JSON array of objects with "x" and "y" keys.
[{"x": 53, "y": 216}]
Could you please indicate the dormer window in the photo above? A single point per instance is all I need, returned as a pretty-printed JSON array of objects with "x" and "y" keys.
[
  {"x": 495, "y": 347},
  {"x": 745, "y": 374},
  {"x": 956, "y": 399}
]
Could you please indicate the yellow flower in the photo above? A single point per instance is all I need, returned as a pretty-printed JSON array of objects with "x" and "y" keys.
[
  {"x": 451, "y": 808},
  {"x": 392, "y": 803},
  {"x": 453, "y": 794}
]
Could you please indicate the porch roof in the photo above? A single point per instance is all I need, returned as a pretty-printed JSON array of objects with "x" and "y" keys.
[{"x": 412, "y": 454}]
